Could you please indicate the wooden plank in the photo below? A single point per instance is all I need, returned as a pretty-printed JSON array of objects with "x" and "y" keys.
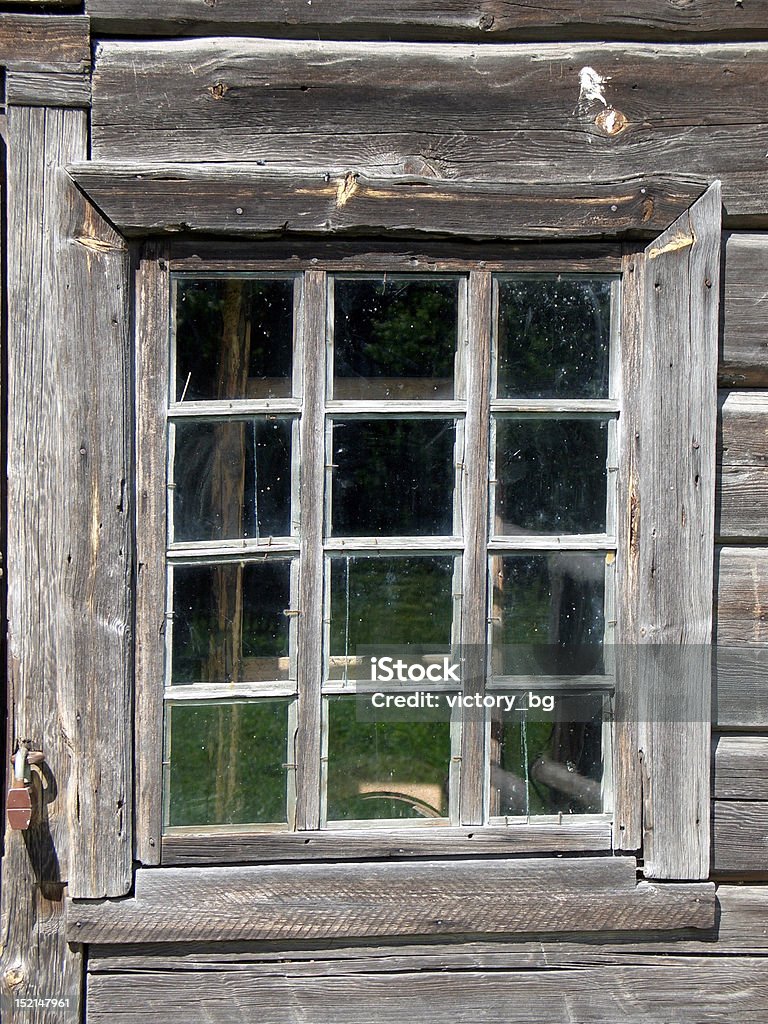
[
  {"x": 744, "y": 357},
  {"x": 440, "y": 19},
  {"x": 741, "y": 768},
  {"x": 740, "y": 694},
  {"x": 673, "y": 438},
  {"x": 34, "y": 42},
  {"x": 742, "y": 502},
  {"x": 371, "y": 108},
  {"x": 740, "y": 838},
  {"x": 365, "y": 900},
  {"x": 686, "y": 990},
  {"x": 47, "y": 89},
  {"x": 351, "y": 844},
  {"x": 243, "y": 200},
  {"x": 742, "y": 597}
]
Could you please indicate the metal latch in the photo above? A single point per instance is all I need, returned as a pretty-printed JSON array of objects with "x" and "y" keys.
[{"x": 21, "y": 795}]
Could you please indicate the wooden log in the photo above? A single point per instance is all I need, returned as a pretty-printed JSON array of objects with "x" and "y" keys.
[
  {"x": 742, "y": 501},
  {"x": 744, "y": 357},
  {"x": 490, "y": 20},
  {"x": 47, "y": 89},
  {"x": 242, "y": 200},
  {"x": 430, "y": 897},
  {"x": 740, "y": 838},
  {"x": 741, "y": 598},
  {"x": 741, "y": 768},
  {"x": 686, "y": 990},
  {"x": 501, "y": 113},
  {"x": 34, "y": 42}
]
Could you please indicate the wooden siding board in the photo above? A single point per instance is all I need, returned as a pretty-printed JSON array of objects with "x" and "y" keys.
[
  {"x": 35, "y": 42},
  {"x": 744, "y": 356},
  {"x": 489, "y": 20},
  {"x": 740, "y": 837},
  {"x": 289, "y": 902},
  {"x": 742, "y": 503},
  {"x": 740, "y": 768},
  {"x": 47, "y": 89},
  {"x": 687, "y": 990}
]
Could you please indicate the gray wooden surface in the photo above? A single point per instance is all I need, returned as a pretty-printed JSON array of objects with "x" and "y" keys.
[
  {"x": 34, "y": 42},
  {"x": 47, "y": 89},
  {"x": 742, "y": 504},
  {"x": 740, "y": 838},
  {"x": 740, "y": 768},
  {"x": 744, "y": 356}
]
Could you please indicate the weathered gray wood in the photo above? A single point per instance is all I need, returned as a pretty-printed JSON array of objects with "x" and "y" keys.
[
  {"x": 441, "y": 19},
  {"x": 740, "y": 692},
  {"x": 35, "y": 42},
  {"x": 742, "y": 597},
  {"x": 311, "y": 511},
  {"x": 152, "y": 361},
  {"x": 474, "y": 505},
  {"x": 243, "y": 200},
  {"x": 740, "y": 837},
  {"x": 501, "y": 113},
  {"x": 351, "y": 844},
  {"x": 425, "y": 898},
  {"x": 47, "y": 89},
  {"x": 741, "y": 768},
  {"x": 744, "y": 357},
  {"x": 742, "y": 505},
  {"x": 686, "y": 990},
  {"x": 673, "y": 438}
]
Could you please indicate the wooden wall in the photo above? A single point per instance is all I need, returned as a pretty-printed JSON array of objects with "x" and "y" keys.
[{"x": 465, "y": 91}]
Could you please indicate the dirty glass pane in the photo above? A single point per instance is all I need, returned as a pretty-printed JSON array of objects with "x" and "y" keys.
[
  {"x": 232, "y": 479},
  {"x": 227, "y": 763},
  {"x": 551, "y": 476},
  {"x": 234, "y": 338},
  {"x": 394, "y": 337},
  {"x": 548, "y": 762},
  {"x": 393, "y": 477},
  {"x": 553, "y": 338},
  {"x": 229, "y": 622},
  {"x": 386, "y": 602},
  {"x": 385, "y": 769},
  {"x": 548, "y": 612}
]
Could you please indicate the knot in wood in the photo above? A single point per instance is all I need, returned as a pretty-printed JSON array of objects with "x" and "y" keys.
[
  {"x": 485, "y": 24},
  {"x": 218, "y": 90}
]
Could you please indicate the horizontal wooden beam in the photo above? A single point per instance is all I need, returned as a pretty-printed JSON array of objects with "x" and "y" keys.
[
  {"x": 36, "y": 42},
  {"x": 744, "y": 356},
  {"x": 488, "y": 20},
  {"x": 364, "y": 900},
  {"x": 741, "y": 767},
  {"x": 740, "y": 837},
  {"x": 47, "y": 89},
  {"x": 742, "y": 502},
  {"x": 242, "y": 200}
]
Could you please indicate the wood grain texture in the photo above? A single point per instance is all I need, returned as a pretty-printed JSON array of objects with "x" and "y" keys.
[
  {"x": 366, "y": 900},
  {"x": 686, "y": 990},
  {"x": 741, "y": 768},
  {"x": 742, "y": 500},
  {"x": 35, "y": 42},
  {"x": 47, "y": 89},
  {"x": 744, "y": 356},
  {"x": 456, "y": 112},
  {"x": 351, "y": 844},
  {"x": 490, "y": 20},
  {"x": 673, "y": 439},
  {"x": 244, "y": 200},
  {"x": 740, "y": 693},
  {"x": 740, "y": 837},
  {"x": 742, "y": 597}
]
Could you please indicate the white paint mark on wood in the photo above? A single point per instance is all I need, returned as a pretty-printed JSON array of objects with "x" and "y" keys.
[{"x": 591, "y": 88}]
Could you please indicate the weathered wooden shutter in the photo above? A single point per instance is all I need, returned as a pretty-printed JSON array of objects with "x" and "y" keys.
[{"x": 670, "y": 382}]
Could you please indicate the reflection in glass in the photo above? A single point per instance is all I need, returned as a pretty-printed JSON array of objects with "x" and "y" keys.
[
  {"x": 549, "y": 764},
  {"x": 551, "y": 475},
  {"x": 229, "y": 622},
  {"x": 234, "y": 338},
  {"x": 232, "y": 479},
  {"x": 227, "y": 763},
  {"x": 394, "y": 337},
  {"x": 393, "y": 601},
  {"x": 548, "y": 612},
  {"x": 385, "y": 769},
  {"x": 553, "y": 338},
  {"x": 393, "y": 477}
]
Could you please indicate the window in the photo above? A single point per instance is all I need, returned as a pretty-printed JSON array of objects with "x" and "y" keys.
[{"x": 375, "y": 465}]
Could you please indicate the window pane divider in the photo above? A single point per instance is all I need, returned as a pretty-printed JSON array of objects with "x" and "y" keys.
[
  {"x": 235, "y": 409},
  {"x": 553, "y": 542},
  {"x": 542, "y": 682},
  {"x": 555, "y": 406},
  {"x": 424, "y": 545},
  {"x": 234, "y": 550},
  {"x": 386, "y": 408},
  {"x": 202, "y": 692}
]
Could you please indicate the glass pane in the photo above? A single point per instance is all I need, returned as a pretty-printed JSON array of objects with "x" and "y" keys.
[
  {"x": 385, "y": 769},
  {"x": 553, "y": 338},
  {"x": 548, "y": 763},
  {"x": 394, "y": 338},
  {"x": 393, "y": 477},
  {"x": 228, "y": 763},
  {"x": 234, "y": 338},
  {"x": 229, "y": 622},
  {"x": 232, "y": 479},
  {"x": 548, "y": 613},
  {"x": 551, "y": 476}
]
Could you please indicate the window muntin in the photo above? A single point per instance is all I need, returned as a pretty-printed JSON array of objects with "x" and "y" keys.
[{"x": 383, "y": 439}]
